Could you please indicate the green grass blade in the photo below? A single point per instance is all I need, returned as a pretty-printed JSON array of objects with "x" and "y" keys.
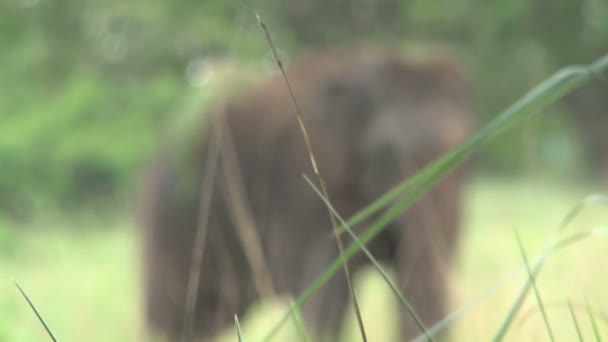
[
  {"x": 374, "y": 262},
  {"x": 317, "y": 171},
  {"x": 597, "y": 199},
  {"x": 575, "y": 321},
  {"x": 519, "y": 301},
  {"x": 545, "y": 93},
  {"x": 596, "y": 331},
  {"x": 507, "y": 279},
  {"x": 569, "y": 240},
  {"x": 532, "y": 280},
  {"x": 46, "y": 327},
  {"x": 297, "y": 320},
  {"x": 238, "y": 328},
  {"x": 580, "y": 236},
  {"x": 486, "y": 293}
]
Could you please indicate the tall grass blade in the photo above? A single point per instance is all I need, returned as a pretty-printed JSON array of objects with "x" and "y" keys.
[
  {"x": 596, "y": 199},
  {"x": 536, "y": 263},
  {"x": 297, "y": 320},
  {"x": 375, "y": 263},
  {"x": 575, "y": 321},
  {"x": 200, "y": 237},
  {"x": 46, "y": 327},
  {"x": 547, "y": 92},
  {"x": 519, "y": 301},
  {"x": 532, "y": 280},
  {"x": 183, "y": 134},
  {"x": 238, "y": 328},
  {"x": 507, "y": 279},
  {"x": 317, "y": 171},
  {"x": 596, "y": 331}
]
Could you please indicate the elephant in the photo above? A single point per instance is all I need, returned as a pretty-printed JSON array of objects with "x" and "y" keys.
[{"x": 372, "y": 118}]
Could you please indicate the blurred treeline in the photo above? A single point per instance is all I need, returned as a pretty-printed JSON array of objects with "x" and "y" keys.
[{"x": 86, "y": 86}]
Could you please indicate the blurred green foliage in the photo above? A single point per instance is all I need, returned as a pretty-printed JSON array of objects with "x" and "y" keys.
[{"x": 87, "y": 86}]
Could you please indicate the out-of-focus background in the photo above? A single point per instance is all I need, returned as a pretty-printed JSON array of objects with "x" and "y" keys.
[{"x": 87, "y": 87}]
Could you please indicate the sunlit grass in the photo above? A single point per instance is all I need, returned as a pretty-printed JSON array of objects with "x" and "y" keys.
[
  {"x": 85, "y": 282},
  {"x": 490, "y": 250}
]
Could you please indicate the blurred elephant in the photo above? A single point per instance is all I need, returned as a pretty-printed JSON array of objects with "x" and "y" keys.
[{"x": 373, "y": 119}]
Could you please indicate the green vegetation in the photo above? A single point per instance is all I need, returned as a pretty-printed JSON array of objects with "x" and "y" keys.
[
  {"x": 85, "y": 283},
  {"x": 88, "y": 86}
]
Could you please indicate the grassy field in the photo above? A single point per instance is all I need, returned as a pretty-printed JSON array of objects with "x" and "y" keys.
[{"x": 84, "y": 282}]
